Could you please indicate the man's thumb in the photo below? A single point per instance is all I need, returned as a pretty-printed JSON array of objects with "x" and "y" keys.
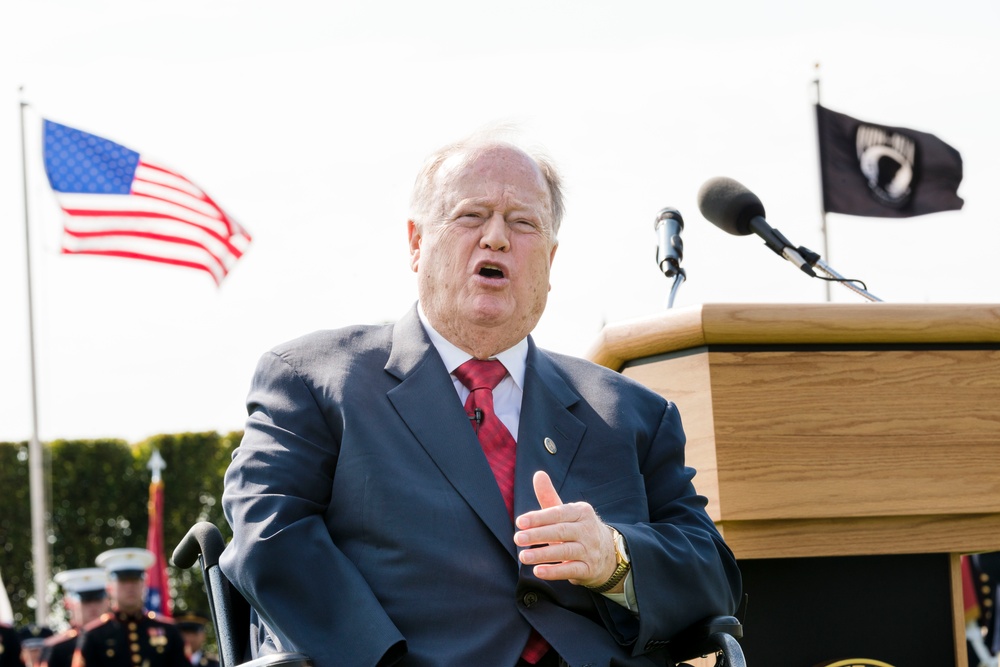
[{"x": 544, "y": 491}]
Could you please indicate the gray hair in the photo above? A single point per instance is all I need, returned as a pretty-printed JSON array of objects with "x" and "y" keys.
[{"x": 424, "y": 190}]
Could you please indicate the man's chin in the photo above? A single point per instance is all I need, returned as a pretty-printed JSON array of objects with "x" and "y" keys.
[{"x": 492, "y": 316}]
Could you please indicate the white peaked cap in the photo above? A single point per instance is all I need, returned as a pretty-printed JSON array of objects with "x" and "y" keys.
[
  {"x": 126, "y": 560},
  {"x": 84, "y": 580}
]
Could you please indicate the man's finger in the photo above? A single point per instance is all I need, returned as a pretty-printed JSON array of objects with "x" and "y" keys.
[{"x": 545, "y": 491}]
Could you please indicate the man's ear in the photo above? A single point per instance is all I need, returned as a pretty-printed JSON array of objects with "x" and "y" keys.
[
  {"x": 552, "y": 256},
  {"x": 414, "y": 235}
]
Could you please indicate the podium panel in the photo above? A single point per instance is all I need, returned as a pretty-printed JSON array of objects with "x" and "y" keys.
[{"x": 826, "y": 431}]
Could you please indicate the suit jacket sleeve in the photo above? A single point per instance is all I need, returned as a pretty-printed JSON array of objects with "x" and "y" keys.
[
  {"x": 621, "y": 449},
  {"x": 309, "y": 595},
  {"x": 682, "y": 569}
]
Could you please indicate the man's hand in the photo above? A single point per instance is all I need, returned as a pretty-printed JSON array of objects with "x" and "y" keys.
[{"x": 576, "y": 544}]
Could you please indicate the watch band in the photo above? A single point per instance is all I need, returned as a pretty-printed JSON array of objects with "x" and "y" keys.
[
  {"x": 623, "y": 567},
  {"x": 616, "y": 576}
]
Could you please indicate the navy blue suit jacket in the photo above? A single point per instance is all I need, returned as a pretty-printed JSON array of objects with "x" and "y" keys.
[{"x": 368, "y": 525}]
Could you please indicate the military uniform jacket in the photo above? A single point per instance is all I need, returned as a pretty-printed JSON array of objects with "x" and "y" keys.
[
  {"x": 10, "y": 647},
  {"x": 58, "y": 651},
  {"x": 136, "y": 640}
]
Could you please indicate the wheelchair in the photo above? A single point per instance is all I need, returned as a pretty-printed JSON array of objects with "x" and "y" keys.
[{"x": 716, "y": 636}]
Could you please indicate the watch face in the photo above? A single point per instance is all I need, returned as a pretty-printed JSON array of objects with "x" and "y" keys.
[{"x": 621, "y": 547}]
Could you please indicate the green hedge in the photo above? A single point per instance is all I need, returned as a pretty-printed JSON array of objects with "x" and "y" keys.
[{"x": 98, "y": 493}]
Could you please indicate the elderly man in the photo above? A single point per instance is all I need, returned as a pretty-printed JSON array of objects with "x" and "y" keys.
[
  {"x": 440, "y": 491},
  {"x": 130, "y": 635}
]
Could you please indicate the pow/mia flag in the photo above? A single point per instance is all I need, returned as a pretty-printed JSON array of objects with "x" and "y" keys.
[{"x": 885, "y": 172}]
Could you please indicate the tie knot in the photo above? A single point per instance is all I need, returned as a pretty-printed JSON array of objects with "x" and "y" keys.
[{"x": 479, "y": 374}]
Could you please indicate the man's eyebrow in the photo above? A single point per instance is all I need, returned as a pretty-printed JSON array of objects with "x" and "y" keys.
[{"x": 516, "y": 206}]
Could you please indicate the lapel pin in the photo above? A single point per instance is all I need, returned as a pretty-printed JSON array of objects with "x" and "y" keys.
[{"x": 550, "y": 446}]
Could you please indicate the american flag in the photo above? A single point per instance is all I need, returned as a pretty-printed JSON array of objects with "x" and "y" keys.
[{"x": 120, "y": 204}]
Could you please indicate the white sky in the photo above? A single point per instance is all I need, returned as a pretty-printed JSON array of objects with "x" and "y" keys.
[{"x": 307, "y": 121}]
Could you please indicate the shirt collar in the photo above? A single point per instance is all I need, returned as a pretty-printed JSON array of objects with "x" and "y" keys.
[{"x": 514, "y": 359}]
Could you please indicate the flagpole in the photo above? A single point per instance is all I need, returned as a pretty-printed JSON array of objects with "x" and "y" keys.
[
  {"x": 822, "y": 218},
  {"x": 36, "y": 479}
]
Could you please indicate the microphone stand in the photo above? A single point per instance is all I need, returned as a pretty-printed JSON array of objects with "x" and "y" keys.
[
  {"x": 678, "y": 279},
  {"x": 815, "y": 261}
]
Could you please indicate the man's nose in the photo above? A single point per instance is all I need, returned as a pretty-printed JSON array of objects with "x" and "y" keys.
[{"x": 495, "y": 234}]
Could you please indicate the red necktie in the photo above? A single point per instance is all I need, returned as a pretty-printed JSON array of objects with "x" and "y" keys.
[{"x": 480, "y": 377}]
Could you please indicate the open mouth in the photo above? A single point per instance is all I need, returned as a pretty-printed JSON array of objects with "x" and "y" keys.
[{"x": 490, "y": 272}]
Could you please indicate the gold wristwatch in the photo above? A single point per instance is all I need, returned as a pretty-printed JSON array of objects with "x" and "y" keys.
[{"x": 624, "y": 565}]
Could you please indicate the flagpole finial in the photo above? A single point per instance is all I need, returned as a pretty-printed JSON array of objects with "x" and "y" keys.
[{"x": 156, "y": 465}]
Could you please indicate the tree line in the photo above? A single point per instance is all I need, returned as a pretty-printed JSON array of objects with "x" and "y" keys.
[{"x": 97, "y": 498}]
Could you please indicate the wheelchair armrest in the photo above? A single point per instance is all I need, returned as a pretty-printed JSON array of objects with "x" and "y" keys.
[
  {"x": 280, "y": 660},
  {"x": 707, "y": 637}
]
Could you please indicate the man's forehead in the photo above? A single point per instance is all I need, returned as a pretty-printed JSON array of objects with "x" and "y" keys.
[
  {"x": 480, "y": 158},
  {"x": 469, "y": 176}
]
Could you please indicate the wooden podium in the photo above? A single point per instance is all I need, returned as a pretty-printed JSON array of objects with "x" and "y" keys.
[{"x": 850, "y": 454}]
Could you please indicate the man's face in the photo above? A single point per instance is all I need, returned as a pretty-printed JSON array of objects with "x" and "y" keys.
[
  {"x": 193, "y": 639},
  {"x": 128, "y": 592},
  {"x": 483, "y": 261},
  {"x": 91, "y": 609}
]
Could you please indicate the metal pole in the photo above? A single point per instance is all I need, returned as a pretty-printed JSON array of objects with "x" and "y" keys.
[
  {"x": 36, "y": 479},
  {"x": 822, "y": 219}
]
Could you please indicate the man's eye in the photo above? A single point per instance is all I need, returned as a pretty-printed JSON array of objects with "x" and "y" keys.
[{"x": 524, "y": 225}]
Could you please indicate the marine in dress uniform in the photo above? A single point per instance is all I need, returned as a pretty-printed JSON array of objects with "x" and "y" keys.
[
  {"x": 129, "y": 635},
  {"x": 86, "y": 598},
  {"x": 192, "y": 627},
  {"x": 10, "y": 647},
  {"x": 32, "y": 640}
]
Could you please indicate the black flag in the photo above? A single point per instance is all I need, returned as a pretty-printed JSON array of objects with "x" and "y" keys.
[{"x": 885, "y": 172}]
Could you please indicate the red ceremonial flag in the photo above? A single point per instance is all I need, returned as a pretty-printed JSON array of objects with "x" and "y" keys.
[
  {"x": 970, "y": 600},
  {"x": 120, "y": 204},
  {"x": 157, "y": 585}
]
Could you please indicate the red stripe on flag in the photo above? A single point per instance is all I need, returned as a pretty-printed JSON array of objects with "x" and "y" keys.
[
  {"x": 147, "y": 257},
  {"x": 96, "y": 213},
  {"x": 166, "y": 238}
]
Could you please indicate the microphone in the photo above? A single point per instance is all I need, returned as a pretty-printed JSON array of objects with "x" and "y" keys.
[
  {"x": 669, "y": 246},
  {"x": 731, "y": 207}
]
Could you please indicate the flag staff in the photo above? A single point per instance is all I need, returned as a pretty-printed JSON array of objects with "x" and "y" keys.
[
  {"x": 822, "y": 213},
  {"x": 36, "y": 480}
]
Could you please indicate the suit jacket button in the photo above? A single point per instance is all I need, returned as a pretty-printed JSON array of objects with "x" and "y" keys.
[{"x": 529, "y": 599}]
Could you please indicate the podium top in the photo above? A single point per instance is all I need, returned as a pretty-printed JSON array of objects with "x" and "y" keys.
[{"x": 799, "y": 324}]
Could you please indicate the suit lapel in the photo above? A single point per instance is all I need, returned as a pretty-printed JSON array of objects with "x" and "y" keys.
[
  {"x": 544, "y": 414},
  {"x": 427, "y": 402}
]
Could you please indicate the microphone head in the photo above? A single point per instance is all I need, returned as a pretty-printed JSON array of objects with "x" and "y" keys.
[
  {"x": 728, "y": 205},
  {"x": 671, "y": 214}
]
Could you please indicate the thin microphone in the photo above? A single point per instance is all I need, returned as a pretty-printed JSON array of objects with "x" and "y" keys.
[
  {"x": 669, "y": 246},
  {"x": 731, "y": 207}
]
